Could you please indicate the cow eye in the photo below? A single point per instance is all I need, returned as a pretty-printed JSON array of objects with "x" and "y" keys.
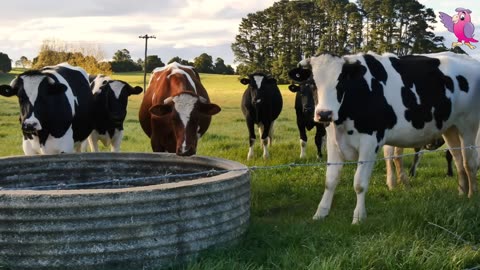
[
  {"x": 104, "y": 82},
  {"x": 462, "y": 17}
]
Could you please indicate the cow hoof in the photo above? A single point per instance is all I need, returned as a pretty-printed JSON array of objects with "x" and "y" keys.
[{"x": 319, "y": 217}]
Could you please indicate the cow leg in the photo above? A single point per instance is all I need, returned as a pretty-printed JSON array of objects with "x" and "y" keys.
[
  {"x": 470, "y": 160},
  {"x": 448, "y": 157},
  {"x": 388, "y": 152},
  {"x": 452, "y": 139},
  {"x": 319, "y": 139},
  {"x": 332, "y": 178},
  {"x": 93, "y": 141},
  {"x": 251, "y": 132},
  {"x": 116, "y": 141},
  {"x": 303, "y": 137},
  {"x": 266, "y": 140},
  {"x": 416, "y": 160},
  {"x": 28, "y": 148},
  {"x": 362, "y": 178},
  {"x": 401, "y": 176}
]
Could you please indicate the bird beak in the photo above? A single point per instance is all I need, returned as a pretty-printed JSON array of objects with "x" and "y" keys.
[{"x": 455, "y": 18}]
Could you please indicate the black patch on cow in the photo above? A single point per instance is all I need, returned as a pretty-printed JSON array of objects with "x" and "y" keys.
[
  {"x": 423, "y": 74},
  {"x": 376, "y": 68},
  {"x": 463, "y": 83},
  {"x": 449, "y": 83},
  {"x": 350, "y": 132},
  {"x": 376, "y": 148},
  {"x": 82, "y": 124},
  {"x": 367, "y": 107}
]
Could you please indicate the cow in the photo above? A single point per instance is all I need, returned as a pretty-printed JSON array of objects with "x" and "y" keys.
[
  {"x": 261, "y": 105},
  {"x": 368, "y": 100},
  {"x": 110, "y": 109},
  {"x": 55, "y": 108},
  {"x": 304, "y": 107},
  {"x": 176, "y": 110}
]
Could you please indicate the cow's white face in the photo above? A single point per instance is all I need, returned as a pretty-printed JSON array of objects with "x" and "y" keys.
[{"x": 325, "y": 69}]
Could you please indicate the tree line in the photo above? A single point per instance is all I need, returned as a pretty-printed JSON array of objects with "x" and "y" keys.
[
  {"x": 91, "y": 58},
  {"x": 277, "y": 38}
]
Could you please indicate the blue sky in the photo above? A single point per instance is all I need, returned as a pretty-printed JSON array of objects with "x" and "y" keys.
[{"x": 184, "y": 28}]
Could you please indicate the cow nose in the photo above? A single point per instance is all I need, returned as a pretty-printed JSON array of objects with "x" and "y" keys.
[
  {"x": 29, "y": 127},
  {"x": 186, "y": 152},
  {"x": 325, "y": 116}
]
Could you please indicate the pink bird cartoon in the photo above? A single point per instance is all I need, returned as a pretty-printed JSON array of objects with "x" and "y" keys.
[{"x": 461, "y": 25}]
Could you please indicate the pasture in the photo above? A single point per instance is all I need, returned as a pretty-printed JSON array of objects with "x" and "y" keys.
[{"x": 425, "y": 227}]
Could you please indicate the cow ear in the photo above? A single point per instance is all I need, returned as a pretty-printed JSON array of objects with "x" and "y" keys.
[
  {"x": 7, "y": 91},
  {"x": 57, "y": 88},
  {"x": 209, "y": 108},
  {"x": 299, "y": 74},
  {"x": 135, "y": 90},
  {"x": 294, "y": 88},
  {"x": 245, "y": 81},
  {"x": 161, "y": 110}
]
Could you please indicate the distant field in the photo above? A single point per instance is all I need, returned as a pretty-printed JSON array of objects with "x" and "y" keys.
[{"x": 398, "y": 233}]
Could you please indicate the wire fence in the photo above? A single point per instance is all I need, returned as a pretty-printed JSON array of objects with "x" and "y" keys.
[{"x": 212, "y": 172}]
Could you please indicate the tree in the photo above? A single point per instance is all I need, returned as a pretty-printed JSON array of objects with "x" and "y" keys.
[
  {"x": 203, "y": 63},
  {"x": 23, "y": 62},
  {"x": 122, "y": 55},
  {"x": 122, "y": 62},
  {"x": 221, "y": 68},
  {"x": 5, "y": 63},
  {"x": 153, "y": 61},
  {"x": 53, "y": 52}
]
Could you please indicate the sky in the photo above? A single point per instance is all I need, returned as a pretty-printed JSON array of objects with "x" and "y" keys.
[{"x": 184, "y": 28}]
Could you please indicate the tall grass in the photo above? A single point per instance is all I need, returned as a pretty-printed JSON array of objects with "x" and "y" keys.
[{"x": 403, "y": 229}]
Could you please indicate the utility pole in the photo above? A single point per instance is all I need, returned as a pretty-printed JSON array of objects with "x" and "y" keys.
[{"x": 146, "y": 37}]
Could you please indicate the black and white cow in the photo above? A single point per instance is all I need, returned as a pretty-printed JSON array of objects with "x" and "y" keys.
[
  {"x": 55, "y": 108},
  {"x": 306, "y": 93},
  {"x": 110, "y": 109},
  {"x": 370, "y": 100},
  {"x": 261, "y": 105}
]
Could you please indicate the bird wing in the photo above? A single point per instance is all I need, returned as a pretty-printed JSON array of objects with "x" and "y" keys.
[
  {"x": 468, "y": 29},
  {"x": 447, "y": 21}
]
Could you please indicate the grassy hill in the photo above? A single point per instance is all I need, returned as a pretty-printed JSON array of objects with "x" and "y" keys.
[{"x": 402, "y": 230}]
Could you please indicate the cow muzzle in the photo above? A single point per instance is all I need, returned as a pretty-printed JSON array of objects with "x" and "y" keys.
[
  {"x": 186, "y": 152},
  {"x": 324, "y": 116},
  {"x": 30, "y": 127}
]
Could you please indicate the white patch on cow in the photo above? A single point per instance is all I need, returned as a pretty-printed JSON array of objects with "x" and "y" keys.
[
  {"x": 98, "y": 82},
  {"x": 326, "y": 71},
  {"x": 417, "y": 97},
  {"x": 170, "y": 66},
  {"x": 258, "y": 80},
  {"x": 368, "y": 75},
  {"x": 52, "y": 145},
  {"x": 32, "y": 120},
  {"x": 184, "y": 106},
  {"x": 30, "y": 85},
  {"x": 117, "y": 88},
  {"x": 181, "y": 71}
]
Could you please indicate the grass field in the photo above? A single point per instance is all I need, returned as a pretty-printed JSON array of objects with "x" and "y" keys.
[{"x": 403, "y": 229}]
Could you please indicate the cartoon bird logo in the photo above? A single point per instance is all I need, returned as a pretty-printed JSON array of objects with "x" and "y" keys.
[{"x": 460, "y": 24}]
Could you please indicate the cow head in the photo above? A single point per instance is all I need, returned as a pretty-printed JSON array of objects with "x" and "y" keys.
[
  {"x": 257, "y": 83},
  {"x": 35, "y": 92},
  {"x": 326, "y": 71},
  {"x": 185, "y": 111},
  {"x": 111, "y": 97},
  {"x": 306, "y": 93}
]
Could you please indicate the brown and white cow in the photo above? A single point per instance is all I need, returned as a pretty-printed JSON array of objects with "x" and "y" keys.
[{"x": 176, "y": 110}]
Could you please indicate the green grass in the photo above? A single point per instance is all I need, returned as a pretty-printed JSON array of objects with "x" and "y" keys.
[{"x": 398, "y": 233}]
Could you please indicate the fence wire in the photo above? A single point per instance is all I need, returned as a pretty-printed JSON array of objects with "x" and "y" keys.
[{"x": 207, "y": 173}]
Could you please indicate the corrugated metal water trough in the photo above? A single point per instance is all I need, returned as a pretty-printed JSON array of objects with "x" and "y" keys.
[{"x": 118, "y": 210}]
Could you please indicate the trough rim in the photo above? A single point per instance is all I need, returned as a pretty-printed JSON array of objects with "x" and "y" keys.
[{"x": 235, "y": 170}]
